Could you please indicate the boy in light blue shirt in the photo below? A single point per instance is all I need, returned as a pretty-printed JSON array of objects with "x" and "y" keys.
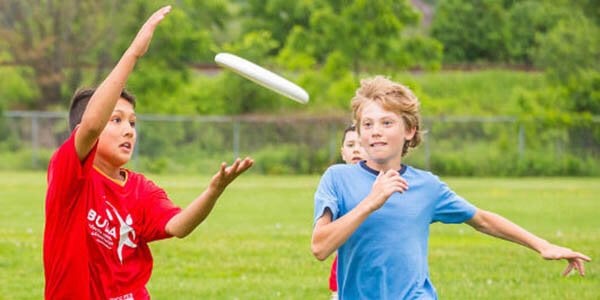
[{"x": 377, "y": 213}]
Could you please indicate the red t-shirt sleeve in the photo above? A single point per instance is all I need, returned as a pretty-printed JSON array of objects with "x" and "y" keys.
[
  {"x": 158, "y": 210},
  {"x": 66, "y": 173}
]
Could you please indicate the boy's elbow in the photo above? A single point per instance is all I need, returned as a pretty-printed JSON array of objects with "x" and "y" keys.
[
  {"x": 318, "y": 252},
  {"x": 176, "y": 231},
  {"x": 481, "y": 221},
  {"x": 180, "y": 235}
]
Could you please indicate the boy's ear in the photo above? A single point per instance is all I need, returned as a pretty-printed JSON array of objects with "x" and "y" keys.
[{"x": 410, "y": 133}]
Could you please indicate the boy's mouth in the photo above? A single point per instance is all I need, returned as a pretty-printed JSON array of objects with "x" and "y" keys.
[
  {"x": 126, "y": 145},
  {"x": 377, "y": 144}
]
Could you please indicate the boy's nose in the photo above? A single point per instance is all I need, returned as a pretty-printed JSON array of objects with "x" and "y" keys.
[
  {"x": 129, "y": 130},
  {"x": 376, "y": 130}
]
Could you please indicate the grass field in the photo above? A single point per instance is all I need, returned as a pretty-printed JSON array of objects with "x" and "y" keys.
[{"x": 255, "y": 245}]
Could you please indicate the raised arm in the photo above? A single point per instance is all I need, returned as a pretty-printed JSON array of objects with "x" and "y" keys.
[
  {"x": 189, "y": 218},
  {"x": 103, "y": 102},
  {"x": 500, "y": 227},
  {"x": 328, "y": 236}
]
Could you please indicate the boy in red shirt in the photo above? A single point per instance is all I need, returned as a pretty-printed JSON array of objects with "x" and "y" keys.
[
  {"x": 352, "y": 152},
  {"x": 100, "y": 217}
]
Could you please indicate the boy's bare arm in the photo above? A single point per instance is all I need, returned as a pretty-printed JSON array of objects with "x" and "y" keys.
[
  {"x": 498, "y": 226},
  {"x": 328, "y": 236},
  {"x": 189, "y": 218},
  {"x": 103, "y": 102}
]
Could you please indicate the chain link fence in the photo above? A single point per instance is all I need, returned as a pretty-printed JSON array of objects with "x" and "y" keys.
[{"x": 468, "y": 146}]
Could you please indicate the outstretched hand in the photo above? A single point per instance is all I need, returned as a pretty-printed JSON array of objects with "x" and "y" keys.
[
  {"x": 226, "y": 174},
  {"x": 575, "y": 259},
  {"x": 141, "y": 42}
]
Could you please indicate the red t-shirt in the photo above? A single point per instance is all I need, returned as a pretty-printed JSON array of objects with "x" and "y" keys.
[
  {"x": 333, "y": 276},
  {"x": 97, "y": 230}
]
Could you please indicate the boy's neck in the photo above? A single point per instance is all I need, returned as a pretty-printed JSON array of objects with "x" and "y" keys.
[
  {"x": 376, "y": 168},
  {"x": 383, "y": 167},
  {"x": 117, "y": 174}
]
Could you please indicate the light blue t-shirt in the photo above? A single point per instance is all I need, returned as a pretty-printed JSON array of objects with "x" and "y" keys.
[{"x": 386, "y": 257}]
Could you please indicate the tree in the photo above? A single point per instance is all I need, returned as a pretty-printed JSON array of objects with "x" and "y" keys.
[
  {"x": 368, "y": 34},
  {"x": 470, "y": 31},
  {"x": 57, "y": 40},
  {"x": 529, "y": 19},
  {"x": 277, "y": 16},
  {"x": 570, "y": 54}
]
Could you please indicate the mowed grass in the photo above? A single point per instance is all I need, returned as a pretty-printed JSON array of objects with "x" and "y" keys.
[{"x": 256, "y": 243}]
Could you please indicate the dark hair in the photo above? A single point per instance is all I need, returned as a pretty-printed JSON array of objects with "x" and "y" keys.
[
  {"x": 80, "y": 100},
  {"x": 350, "y": 127}
]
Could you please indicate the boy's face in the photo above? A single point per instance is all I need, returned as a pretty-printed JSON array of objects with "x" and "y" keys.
[
  {"x": 352, "y": 151},
  {"x": 117, "y": 140},
  {"x": 382, "y": 134}
]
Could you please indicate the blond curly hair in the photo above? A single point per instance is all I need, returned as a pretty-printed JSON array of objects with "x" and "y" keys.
[{"x": 393, "y": 97}]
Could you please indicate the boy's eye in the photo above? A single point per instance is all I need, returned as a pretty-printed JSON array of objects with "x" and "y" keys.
[
  {"x": 116, "y": 120},
  {"x": 387, "y": 123},
  {"x": 366, "y": 124},
  {"x": 132, "y": 123}
]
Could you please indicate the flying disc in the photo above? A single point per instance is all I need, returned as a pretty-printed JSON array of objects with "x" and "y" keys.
[{"x": 262, "y": 76}]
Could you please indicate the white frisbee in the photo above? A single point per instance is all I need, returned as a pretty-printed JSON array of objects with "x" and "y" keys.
[{"x": 262, "y": 76}]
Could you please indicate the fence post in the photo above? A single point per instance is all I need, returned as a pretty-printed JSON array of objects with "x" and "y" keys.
[
  {"x": 35, "y": 130},
  {"x": 332, "y": 142},
  {"x": 521, "y": 148},
  {"x": 236, "y": 139}
]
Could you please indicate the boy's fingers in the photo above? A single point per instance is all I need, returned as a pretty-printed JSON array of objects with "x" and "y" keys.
[
  {"x": 568, "y": 269},
  {"x": 583, "y": 256},
  {"x": 158, "y": 16},
  {"x": 580, "y": 267},
  {"x": 245, "y": 165},
  {"x": 161, "y": 13}
]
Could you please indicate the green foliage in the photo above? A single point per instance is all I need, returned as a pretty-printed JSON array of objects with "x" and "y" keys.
[
  {"x": 347, "y": 30},
  {"x": 16, "y": 90},
  {"x": 332, "y": 87},
  {"x": 528, "y": 19},
  {"x": 292, "y": 159},
  {"x": 362, "y": 20},
  {"x": 298, "y": 53},
  {"x": 179, "y": 41},
  {"x": 278, "y": 17},
  {"x": 24, "y": 159},
  {"x": 158, "y": 89},
  {"x": 415, "y": 52},
  {"x": 483, "y": 162},
  {"x": 590, "y": 8},
  {"x": 572, "y": 45},
  {"x": 489, "y": 92},
  {"x": 471, "y": 31},
  {"x": 584, "y": 91},
  {"x": 253, "y": 45},
  {"x": 570, "y": 54}
]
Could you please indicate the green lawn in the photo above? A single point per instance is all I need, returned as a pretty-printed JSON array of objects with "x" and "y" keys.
[{"x": 255, "y": 245}]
